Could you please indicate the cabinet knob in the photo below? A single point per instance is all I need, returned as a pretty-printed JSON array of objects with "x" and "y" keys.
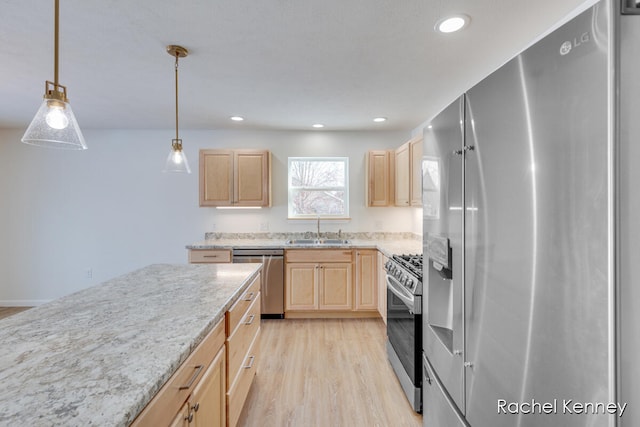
[
  {"x": 189, "y": 418},
  {"x": 196, "y": 407}
]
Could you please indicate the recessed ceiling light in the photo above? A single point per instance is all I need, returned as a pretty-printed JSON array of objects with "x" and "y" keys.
[
  {"x": 452, "y": 23},
  {"x": 318, "y": 125},
  {"x": 237, "y": 118},
  {"x": 380, "y": 119}
]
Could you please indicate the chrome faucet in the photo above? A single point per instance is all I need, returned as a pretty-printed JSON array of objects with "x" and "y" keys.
[{"x": 318, "y": 233}]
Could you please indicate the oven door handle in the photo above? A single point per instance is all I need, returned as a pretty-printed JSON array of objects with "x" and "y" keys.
[{"x": 408, "y": 300}]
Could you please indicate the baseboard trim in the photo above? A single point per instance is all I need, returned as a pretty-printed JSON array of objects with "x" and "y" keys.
[
  {"x": 331, "y": 314},
  {"x": 23, "y": 302}
]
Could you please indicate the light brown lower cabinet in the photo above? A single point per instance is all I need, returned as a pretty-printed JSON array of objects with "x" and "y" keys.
[
  {"x": 207, "y": 402},
  {"x": 382, "y": 286},
  {"x": 366, "y": 279},
  {"x": 206, "y": 406},
  {"x": 209, "y": 256},
  {"x": 335, "y": 285},
  {"x": 322, "y": 283},
  {"x": 243, "y": 349},
  {"x": 301, "y": 286},
  {"x": 197, "y": 381},
  {"x": 182, "y": 418},
  {"x": 210, "y": 388}
]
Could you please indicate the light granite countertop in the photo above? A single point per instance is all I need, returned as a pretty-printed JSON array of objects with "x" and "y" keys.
[
  {"x": 386, "y": 246},
  {"x": 98, "y": 356}
]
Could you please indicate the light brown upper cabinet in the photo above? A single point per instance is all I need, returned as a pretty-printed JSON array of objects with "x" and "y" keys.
[
  {"x": 235, "y": 178},
  {"x": 408, "y": 173},
  {"x": 415, "y": 154},
  {"x": 402, "y": 175},
  {"x": 380, "y": 178}
]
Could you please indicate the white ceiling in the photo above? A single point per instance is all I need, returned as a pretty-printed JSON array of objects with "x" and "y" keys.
[{"x": 282, "y": 64}]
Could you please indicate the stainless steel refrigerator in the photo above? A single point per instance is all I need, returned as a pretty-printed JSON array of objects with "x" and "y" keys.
[{"x": 530, "y": 235}]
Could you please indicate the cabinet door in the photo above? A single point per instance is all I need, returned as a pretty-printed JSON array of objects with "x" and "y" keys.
[
  {"x": 366, "y": 280},
  {"x": 216, "y": 177},
  {"x": 251, "y": 178},
  {"x": 182, "y": 418},
  {"x": 403, "y": 175},
  {"x": 415, "y": 151},
  {"x": 301, "y": 286},
  {"x": 382, "y": 286},
  {"x": 208, "y": 401},
  {"x": 335, "y": 286},
  {"x": 380, "y": 180}
]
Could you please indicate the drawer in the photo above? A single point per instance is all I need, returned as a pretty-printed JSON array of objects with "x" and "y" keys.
[
  {"x": 209, "y": 255},
  {"x": 237, "y": 312},
  {"x": 237, "y": 392},
  {"x": 239, "y": 342},
  {"x": 177, "y": 389},
  {"x": 319, "y": 255}
]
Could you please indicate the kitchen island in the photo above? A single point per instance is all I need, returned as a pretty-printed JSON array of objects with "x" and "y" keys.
[{"x": 98, "y": 356}]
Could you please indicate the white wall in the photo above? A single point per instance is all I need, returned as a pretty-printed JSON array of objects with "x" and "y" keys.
[{"x": 111, "y": 209}]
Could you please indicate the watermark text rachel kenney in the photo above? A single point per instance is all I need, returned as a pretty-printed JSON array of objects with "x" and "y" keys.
[{"x": 560, "y": 406}]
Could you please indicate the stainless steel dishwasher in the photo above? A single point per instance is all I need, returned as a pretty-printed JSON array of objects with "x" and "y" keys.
[{"x": 272, "y": 286}]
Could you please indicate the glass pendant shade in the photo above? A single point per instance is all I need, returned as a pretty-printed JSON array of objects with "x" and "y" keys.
[
  {"x": 176, "y": 160},
  {"x": 55, "y": 126}
]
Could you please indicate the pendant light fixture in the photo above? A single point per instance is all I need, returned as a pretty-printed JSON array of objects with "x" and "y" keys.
[
  {"x": 177, "y": 160},
  {"x": 54, "y": 125}
]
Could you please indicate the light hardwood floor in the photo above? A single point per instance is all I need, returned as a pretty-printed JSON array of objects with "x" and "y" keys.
[
  {"x": 8, "y": 311},
  {"x": 325, "y": 372}
]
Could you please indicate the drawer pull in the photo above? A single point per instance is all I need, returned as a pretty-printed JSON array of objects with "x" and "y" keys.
[
  {"x": 250, "y": 319},
  {"x": 251, "y": 360},
  {"x": 249, "y": 296},
  {"x": 193, "y": 378},
  {"x": 211, "y": 256}
]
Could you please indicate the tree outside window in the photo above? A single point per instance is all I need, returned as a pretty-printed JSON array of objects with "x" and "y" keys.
[{"x": 318, "y": 186}]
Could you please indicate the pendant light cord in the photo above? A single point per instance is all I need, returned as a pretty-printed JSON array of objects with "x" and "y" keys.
[
  {"x": 55, "y": 44},
  {"x": 177, "y": 97}
]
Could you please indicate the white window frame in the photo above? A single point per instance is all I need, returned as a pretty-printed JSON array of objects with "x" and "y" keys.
[{"x": 345, "y": 188}]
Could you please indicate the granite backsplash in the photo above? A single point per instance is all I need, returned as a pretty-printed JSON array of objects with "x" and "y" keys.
[{"x": 373, "y": 235}]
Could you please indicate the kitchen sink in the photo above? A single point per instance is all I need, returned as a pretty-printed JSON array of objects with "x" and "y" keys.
[{"x": 318, "y": 242}]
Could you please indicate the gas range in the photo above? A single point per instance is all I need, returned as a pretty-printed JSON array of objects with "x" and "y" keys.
[
  {"x": 404, "y": 323},
  {"x": 407, "y": 270}
]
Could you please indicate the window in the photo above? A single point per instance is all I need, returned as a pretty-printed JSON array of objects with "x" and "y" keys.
[{"x": 318, "y": 186}]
